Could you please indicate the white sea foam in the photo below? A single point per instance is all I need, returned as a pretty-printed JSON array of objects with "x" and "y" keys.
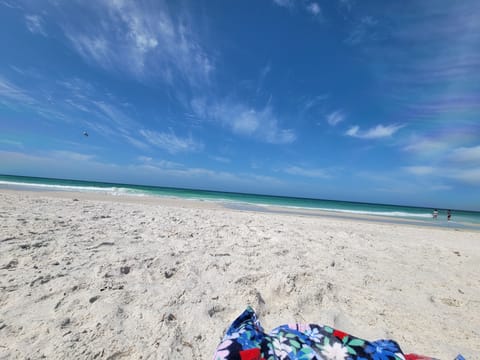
[
  {"x": 358, "y": 212},
  {"x": 107, "y": 190}
]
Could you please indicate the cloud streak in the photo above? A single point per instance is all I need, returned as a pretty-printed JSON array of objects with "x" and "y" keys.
[
  {"x": 468, "y": 176},
  {"x": 11, "y": 92},
  {"x": 244, "y": 120},
  {"x": 307, "y": 172},
  {"x": 141, "y": 41},
  {"x": 284, "y": 3},
  {"x": 35, "y": 24},
  {"x": 335, "y": 117},
  {"x": 465, "y": 155},
  {"x": 377, "y": 132},
  {"x": 314, "y": 9},
  {"x": 171, "y": 142},
  {"x": 461, "y": 164}
]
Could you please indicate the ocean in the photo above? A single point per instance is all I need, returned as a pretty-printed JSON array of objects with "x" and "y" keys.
[{"x": 417, "y": 215}]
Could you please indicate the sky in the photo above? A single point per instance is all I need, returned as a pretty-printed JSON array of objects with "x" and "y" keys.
[{"x": 373, "y": 101}]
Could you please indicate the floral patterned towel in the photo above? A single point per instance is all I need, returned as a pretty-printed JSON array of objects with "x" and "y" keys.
[{"x": 246, "y": 340}]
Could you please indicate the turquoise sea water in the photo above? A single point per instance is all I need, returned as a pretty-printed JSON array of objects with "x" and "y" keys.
[{"x": 460, "y": 218}]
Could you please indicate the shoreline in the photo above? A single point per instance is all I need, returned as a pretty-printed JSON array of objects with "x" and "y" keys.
[
  {"x": 245, "y": 207},
  {"x": 153, "y": 277}
]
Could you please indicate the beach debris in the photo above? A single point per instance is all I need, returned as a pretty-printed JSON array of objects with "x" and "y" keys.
[
  {"x": 110, "y": 285},
  {"x": 215, "y": 309},
  {"x": 75, "y": 199},
  {"x": 65, "y": 322},
  {"x": 125, "y": 270},
  {"x": 169, "y": 273},
  {"x": 259, "y": 298},
  {"x": 457, "y": 253},
  {"x": 94, "y": 298},
  {"x": 451, "y": 302}
]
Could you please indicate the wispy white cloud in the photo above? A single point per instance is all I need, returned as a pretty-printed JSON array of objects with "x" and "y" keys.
[
  {"x": 379, "y": 131},
  {"x": 284, "y": 3},
  {"x": 35, "y": 24},
  {"x": 171, "y": 142},
  {"x": 221, "y": 159},
  {"x": 93, "y": 48},
  {"x": 71, "y": 155},
  {"x": 264, "y": 72},
  {"x": 10, "y": 4},
  {"x": 313, "y": 102},
  {"x": 465, "y": 155},
  {"x": 466, "y": 175},
  {"x": 244, "y": 120},
  {"x": 311, "y": 7},
  {"x": 200, "y": 107},
  {"x": 425, "y": 145},
  {"x": 19, "y": 98},
  {"x": 363, "y": 30},
  {"x": 261, "y": 79},
  {"x": 420, "y": 170},
  {"x": 142, "y": 145},
  {"x": 347, "y": 4},
  {"x": 307, "y": 172},
  {"x": 248, "y": 121},
  {"x": 115, "y": 115},
  {"x": 101, "y": 115},
  {"x": 164, "y": 164},
  {"x": 14, "y": 93},
  {"x": 99, "y": 112},
  {"x": 14, "y": 143},
  {"x": 314, "y": 9},
  {"x": 335, "y": 117},
  {"x": 141, "y": 41},
  {"x": 461, "y": 164}
]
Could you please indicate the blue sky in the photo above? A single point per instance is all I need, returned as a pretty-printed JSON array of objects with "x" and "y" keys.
[{"x": 373, "y": 101}]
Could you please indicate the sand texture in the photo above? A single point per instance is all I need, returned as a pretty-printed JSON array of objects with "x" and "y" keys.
[{"x": 105, "y": 277}]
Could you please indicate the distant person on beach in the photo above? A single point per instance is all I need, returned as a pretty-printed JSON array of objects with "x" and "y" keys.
[
  {"x": 449, "y": 215},
  {"x": 435, "y": 213}
]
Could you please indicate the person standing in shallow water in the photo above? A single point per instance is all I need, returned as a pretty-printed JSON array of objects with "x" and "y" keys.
[
  {"x": 435, "y": 213},
  {"x": 449, "y": 215}
]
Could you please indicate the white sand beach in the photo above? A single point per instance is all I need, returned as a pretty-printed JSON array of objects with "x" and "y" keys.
[{"x": 89, "y": 276}]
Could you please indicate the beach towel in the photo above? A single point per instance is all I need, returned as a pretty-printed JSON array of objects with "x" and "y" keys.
[{"x": 246, "y": 340}]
